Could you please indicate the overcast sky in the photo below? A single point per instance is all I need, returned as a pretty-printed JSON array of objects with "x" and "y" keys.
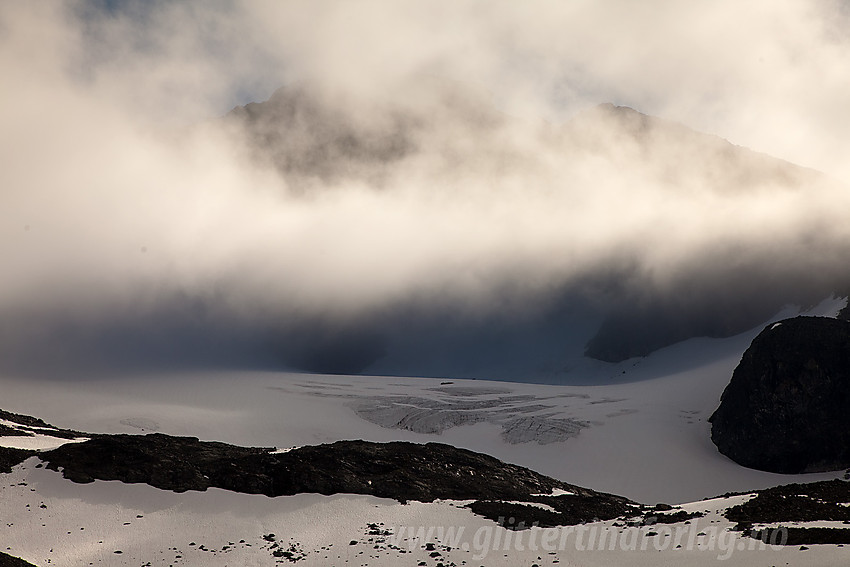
[{"x": 121, "y": 190}]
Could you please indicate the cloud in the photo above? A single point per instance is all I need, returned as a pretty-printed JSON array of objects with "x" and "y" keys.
[
  {"x": 764, "y": 75},
  {"x": 438, "y": 159}
]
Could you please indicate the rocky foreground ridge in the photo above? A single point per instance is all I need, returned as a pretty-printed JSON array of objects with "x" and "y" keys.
[
  {"x": 402, "y": 471},
  {"x": 405, "y": 472}
]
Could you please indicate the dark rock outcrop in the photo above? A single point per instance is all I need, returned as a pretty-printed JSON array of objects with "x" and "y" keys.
[
  {"x": 808, "y": 502},
  {"x": 10, "y": 457},
  {"x": 7, "y": 560},
  {"x": 784, "y": 535},
  {"x": 562, "y": 510},
  {"x": 23, "y": 419},
  {"x": 399, "y": 470},
  {"x": 787, "y": 407},
  {"x": 792, "y": 503}
]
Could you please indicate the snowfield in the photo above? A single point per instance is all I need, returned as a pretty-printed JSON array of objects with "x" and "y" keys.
[
  {"x": 643, "y": 435},
  {"x": 51, "y": 521}
]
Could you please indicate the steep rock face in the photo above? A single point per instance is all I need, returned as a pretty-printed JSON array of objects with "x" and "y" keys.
[{"x": 787, "y": 407}]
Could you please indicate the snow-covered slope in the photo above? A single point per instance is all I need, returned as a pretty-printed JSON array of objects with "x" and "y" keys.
[
  {"x": 643, "y": 435},
  {"x": 51, "y": 521}
]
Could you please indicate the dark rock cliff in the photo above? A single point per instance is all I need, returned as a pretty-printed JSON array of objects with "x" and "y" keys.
[{"x": 787, "y": 407}]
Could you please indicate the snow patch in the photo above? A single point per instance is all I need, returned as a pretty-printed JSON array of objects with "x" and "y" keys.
[
  {"x": 557, "y": 492},
  {"x": 37, "y": 442}
]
